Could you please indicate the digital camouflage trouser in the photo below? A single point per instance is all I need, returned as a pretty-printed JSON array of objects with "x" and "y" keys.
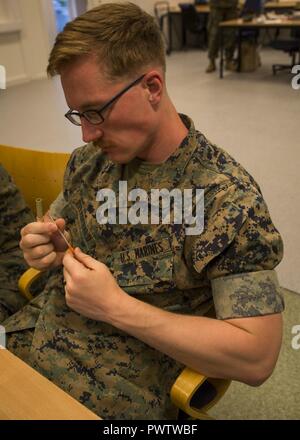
[{"x": 215, "y": 17}]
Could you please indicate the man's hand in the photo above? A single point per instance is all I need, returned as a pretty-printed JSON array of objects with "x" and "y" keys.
[
  {"x": 90, "y": 287},
  {"x": 42, "y": 245}
]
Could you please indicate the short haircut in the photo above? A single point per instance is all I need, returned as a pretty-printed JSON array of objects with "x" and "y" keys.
[{"x": 122, "y": 37}]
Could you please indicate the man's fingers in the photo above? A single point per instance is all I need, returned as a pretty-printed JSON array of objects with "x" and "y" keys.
[
  {"x": 85, "y": 259},
  {"x": 74, "y": 273},
  {"x": 75, "y": 262},
  {"x": 56, "y": 238},
  {"x": 32, "y": 240},
  {"x": 59, "y": 222},
  {"x": 38, "y": 228},
  {"x": 41, "y": 251},
  {"x": 42, "y": 263},
  {"x": 71, "y": 264},
  {"x": 37, "y": 233}
]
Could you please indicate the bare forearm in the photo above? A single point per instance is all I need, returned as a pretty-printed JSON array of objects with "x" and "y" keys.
[
  {"x": 243, "y": 349},
  {"x": 213, "y": 347}
]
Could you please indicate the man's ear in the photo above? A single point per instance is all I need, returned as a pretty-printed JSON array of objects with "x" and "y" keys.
[{"x": 154, "y": 84}]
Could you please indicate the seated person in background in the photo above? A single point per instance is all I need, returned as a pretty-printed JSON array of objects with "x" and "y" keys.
[
  {"x": 120, "y": 317},
  {"x": 14, "y": 214},
  {"x": 221, "y": 10}
]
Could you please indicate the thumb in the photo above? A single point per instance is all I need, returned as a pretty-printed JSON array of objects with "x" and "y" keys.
[
  {"x": 85, "y": 259},
  {"x": 61, "y": 224},
  {"x": 56, "y": 238}
]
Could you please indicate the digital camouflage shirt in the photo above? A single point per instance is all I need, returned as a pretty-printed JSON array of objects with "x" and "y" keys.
[{"x": 230, "y": 264}]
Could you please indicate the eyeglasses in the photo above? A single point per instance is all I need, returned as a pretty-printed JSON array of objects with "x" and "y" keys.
[{"x": 95, "y": 116}]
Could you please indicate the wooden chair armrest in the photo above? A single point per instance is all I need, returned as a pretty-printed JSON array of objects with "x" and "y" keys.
[
  {"x": 194, "y": 393},
  {"x": 26, "y": 280}
]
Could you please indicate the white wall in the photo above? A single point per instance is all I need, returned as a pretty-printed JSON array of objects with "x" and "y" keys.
[
  {"x": 27, "y": 32},
  {"x": 147, "y": 5},
  {"x": 25, "y": 38}
]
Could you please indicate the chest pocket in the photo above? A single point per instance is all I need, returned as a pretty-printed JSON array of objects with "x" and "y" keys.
[
  {"x": 144, "y": 269},
  {"x": 76, "y": 225}
]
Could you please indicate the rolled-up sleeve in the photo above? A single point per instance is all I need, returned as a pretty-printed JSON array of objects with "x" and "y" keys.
[
  {"x": 247, "y": 294},
  {"x": 238, "y": 251}
]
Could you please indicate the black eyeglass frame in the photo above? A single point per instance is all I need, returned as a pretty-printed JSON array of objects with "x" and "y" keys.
[{"x": 99, "y": 111}]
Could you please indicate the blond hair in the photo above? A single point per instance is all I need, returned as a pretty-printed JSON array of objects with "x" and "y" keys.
[{"x": 122, "y": 36}]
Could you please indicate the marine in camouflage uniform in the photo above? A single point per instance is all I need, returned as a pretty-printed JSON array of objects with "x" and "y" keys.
[
  {"x": 14, "y": 214},
  {"x": 230, "y": 265},
  {"x": 221, "y": 10}
]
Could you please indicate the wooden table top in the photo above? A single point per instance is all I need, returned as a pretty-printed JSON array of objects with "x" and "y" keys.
[
  {"x": 27, "y": 395},
  {"x": 263, "y": 23},
  {"x": 204, "y": 9},
  {"x": 281, "y": 4}
]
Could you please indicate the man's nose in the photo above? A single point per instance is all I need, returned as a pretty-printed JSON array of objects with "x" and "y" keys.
[{"x": 90, "y": 132}]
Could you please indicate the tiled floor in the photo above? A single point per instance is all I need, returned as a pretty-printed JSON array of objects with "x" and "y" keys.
[{"x": 254, "y": 116}]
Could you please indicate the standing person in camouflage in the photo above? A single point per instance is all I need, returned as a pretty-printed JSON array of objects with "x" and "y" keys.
[
  {"x": 120, "y": 318},
  {"x": 221, "y": 10}
]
